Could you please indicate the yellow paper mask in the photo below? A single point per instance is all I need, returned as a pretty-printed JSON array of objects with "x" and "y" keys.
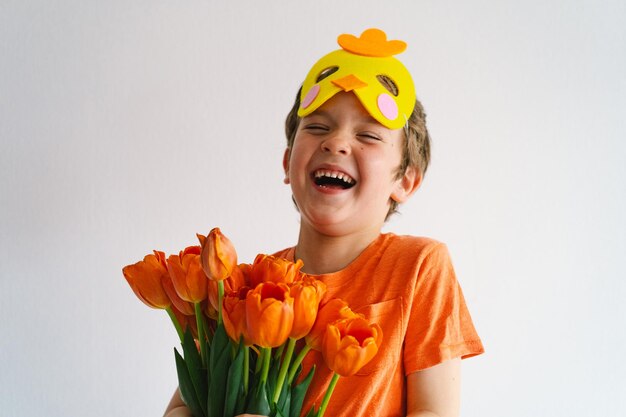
[{"x": 363, "y": 66}]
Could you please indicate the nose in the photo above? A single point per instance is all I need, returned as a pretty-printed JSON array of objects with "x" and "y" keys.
[{"x": 337, "y": 143}]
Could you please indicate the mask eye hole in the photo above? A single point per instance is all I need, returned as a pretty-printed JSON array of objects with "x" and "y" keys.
[
  {"x": 326, "y": 73},
  {"x": 388, "y": 83}
]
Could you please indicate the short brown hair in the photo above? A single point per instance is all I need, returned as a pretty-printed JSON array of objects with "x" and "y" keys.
[{"x": 416, "y": 149}]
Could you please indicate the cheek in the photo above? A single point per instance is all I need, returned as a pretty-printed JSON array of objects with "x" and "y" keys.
[{"x": 297, "y": 163}]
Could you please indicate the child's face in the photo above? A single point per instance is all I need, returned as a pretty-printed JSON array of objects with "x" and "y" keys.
[{"x": 342, "y": 168}]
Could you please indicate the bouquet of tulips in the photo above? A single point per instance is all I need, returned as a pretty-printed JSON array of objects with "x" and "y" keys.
[{"x": 239, "y": 326}]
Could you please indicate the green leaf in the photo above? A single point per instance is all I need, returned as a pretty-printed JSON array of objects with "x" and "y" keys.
[
  {"x": 207, "y": 373},
  {"x": 219, "y": 344},
  {"x": 299, "y": 392},
  {"x": 284, "y": 401},
  {"x": 234, "y": 382},
  {"x": 240, "y": 406},
  {"x": 187, "y": 391},
  {"x": 272, "y": 377},
  {"x": 219, "y": 363},
  {"x": 197, "y": 373},
  {"x": 259, "y": 403},
  {"x": 243, "y": 392}
]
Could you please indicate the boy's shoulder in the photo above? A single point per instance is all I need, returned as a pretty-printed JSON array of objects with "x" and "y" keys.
[
  {"x": 410, "y": 243},
  {"x": 412, "y": 250}
]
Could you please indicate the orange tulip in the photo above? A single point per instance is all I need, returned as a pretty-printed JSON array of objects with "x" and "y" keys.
[
  {"x": 267, "y": 268},
  {"x": 233, "y": 283},
  {"x": 307, "y": 294},
  {"x": 178, "y": 304},
  {"x": 349, "y": 344},
  {"x": 330, "y": 312},
  {"x": 187, "y": 275},
  {"x": 269, "y": 314},
  {"x": 234, "y": 315},
  {"x": 146, "y": 280},
  {"x": 218, "y": 255}
]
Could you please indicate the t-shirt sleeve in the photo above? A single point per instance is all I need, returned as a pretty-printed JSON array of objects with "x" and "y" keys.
[{"x": 439, "y": 324}]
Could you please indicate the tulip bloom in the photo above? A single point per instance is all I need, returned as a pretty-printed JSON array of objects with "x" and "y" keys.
[
  {"x": 307, "y": 294},
  {"x": 330, "y": 312},
  {"x": 234, "y": 315},
  {"x": 267, "y": 268},
  {"x": 178, "y": 304},
  {"x": 218, "y": 255},
  {"x": 269, "y": 314},
  {"x": 349, "y": 344},
  {"x": 187, "y": 275},
  {"x": 146, "y": 280}
]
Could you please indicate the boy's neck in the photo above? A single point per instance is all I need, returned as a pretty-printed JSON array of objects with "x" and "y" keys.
[{"x": 323, "y": 254}]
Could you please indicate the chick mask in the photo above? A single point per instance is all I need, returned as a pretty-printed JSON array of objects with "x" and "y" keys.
[{"x": 364, "y": 65}]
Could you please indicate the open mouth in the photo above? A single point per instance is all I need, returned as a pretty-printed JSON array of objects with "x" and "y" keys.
[{"x": 333, "y": 179}]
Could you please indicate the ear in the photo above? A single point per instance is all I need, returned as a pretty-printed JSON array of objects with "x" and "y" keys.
[
  {"x": 286, "y": 156},
  {"x": 407, "y": 185}
]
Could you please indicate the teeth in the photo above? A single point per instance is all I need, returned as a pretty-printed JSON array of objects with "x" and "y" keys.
[{"x": 334, "y": 174}]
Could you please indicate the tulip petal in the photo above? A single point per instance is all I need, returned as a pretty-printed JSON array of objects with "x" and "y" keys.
[
  {"x": 349, "y": 344},
  {"x": 188, "y": 278},
  {"x": 218, "y": 255},
  {"x": 145, "y": 279},
  {"x": 269, "y": 314}
]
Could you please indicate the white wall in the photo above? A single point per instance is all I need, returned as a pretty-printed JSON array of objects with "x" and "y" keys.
[{"x": 132, "y": 125}]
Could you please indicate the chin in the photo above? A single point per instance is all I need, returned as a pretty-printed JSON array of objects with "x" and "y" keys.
[{"x": 328, "y": 225}]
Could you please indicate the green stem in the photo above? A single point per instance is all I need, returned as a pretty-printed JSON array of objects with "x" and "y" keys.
[
  {"x": 283, "y": 368},
  {"x": 329, "y": 392},
  {"x": 246, "y": 369},
  {"x": 179, "y": 329},
  {"x": 201, "y": 337},
  {"x": 297, "y": 362},
  {"x": 220, "y": 297},
  {"x": 267, "y": 356}
]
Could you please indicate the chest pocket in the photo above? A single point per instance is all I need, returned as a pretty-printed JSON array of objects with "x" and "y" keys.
[{"x": 388, "y": 315}]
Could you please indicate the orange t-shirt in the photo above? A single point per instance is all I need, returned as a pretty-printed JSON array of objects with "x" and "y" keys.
[{"x": 407, "y": 285}]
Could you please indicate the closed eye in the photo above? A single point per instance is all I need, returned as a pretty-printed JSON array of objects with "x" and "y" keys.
[
  {"x": 369, "y": 136},
  {"x": 316, "y": 128}
]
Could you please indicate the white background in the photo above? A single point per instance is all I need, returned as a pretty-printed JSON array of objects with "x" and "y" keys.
[{"x": 128, "y": 126}]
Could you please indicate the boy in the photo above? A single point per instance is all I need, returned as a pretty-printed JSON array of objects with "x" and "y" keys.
[{"x": 358, "y": 147}]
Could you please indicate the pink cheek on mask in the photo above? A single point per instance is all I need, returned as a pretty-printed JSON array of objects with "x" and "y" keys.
[
  {"x": 387, "y": 106},
  {"x": 310, "y": 96}
]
